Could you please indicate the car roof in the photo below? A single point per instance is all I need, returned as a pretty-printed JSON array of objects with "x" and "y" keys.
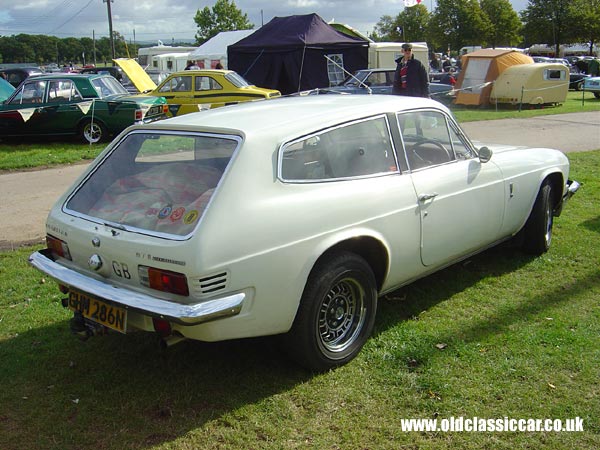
[
  {"x": 22, "y": 69},
  {"x": 201, "y": 72},
  {"x": 71, "y": 75},
  {"x": 293, "y": 116}
]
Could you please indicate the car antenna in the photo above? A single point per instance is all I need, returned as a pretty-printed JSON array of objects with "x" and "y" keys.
[{"x": 360, "y": 83}]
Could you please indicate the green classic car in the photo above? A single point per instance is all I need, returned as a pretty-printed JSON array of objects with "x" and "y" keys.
[{"x": 90, "y": 106}]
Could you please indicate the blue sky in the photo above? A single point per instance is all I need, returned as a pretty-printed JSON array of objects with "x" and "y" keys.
[{"x": 166, "y": 20}]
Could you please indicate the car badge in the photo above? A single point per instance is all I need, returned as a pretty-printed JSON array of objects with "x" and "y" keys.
[
  {"x": 96, "y": 242},
  {"x": 95, "y": 262}
]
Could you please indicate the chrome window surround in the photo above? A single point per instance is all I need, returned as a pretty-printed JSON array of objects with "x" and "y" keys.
[
  {"x": 283, "y": 147},
  {"x": 131, "y": 229}
]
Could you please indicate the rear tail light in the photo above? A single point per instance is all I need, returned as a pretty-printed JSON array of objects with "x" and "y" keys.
[
  {"x": 163, "y": 280},
  {"x": 165, "y": 109},
  {"x": 139, "y": 115},
  {"x": 58, "y": 247}
]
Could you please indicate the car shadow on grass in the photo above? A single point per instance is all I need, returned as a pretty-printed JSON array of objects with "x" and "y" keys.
[
  {"x": 592, "y": 224},
  {"x": 124, "y": 391}
]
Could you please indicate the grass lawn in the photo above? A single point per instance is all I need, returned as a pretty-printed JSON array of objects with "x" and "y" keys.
[
  {"x": 41, "y": 153},
  {"x": 499, "y": 335}
]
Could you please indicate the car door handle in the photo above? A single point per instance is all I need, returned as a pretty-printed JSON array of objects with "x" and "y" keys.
[{"x": 425, "y": 197}]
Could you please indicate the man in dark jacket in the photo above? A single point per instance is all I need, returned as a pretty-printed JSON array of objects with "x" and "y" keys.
[{"x": 410, "y": 77}]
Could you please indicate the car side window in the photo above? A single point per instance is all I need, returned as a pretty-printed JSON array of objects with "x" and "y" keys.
[
  {"x": 376, "y": 79},
  {"x": 30, "y": 92},
  {"x": 428, "y": 140},
  {"x": 60, "y": 91},
  {"x": 177, "y": 84},
  {"x": 206, "y": 84},
  {"x": 353, "y": 150}
]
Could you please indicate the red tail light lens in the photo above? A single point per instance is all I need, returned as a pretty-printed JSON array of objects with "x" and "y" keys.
[
  {"x": 139, "y": 115},
  {"x": 58, "y": 247},
  {"x": 165, "y": 109},
  {"x": 164, "y": 280}
]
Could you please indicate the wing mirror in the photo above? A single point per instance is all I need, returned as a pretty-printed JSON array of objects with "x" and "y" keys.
[{"x": 485, "y": 154}]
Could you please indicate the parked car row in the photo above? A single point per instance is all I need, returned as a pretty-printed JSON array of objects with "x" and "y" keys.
[
  {"x": 58, "y": 104},
  {"x": 29, "y": 114},
  {"x": 91, "y": 106}
]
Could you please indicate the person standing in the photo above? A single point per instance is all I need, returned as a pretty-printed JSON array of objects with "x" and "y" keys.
[
  {"x": 191, "y": 65},
  {"x": 448, "y": 78},
  {"x": 410, "y": 77}
]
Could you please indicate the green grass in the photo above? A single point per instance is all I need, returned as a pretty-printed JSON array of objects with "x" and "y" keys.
[
  {"x": 28, "y": 155},
  {"x": 573, "y": 104},
  {"x": 20, "y": 155},
  {"x": 521, "y": 340}
]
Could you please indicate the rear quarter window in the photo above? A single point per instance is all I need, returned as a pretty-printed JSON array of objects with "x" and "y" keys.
[{"x": 352, "y": 150}]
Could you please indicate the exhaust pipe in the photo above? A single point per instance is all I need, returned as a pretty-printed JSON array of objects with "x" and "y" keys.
[{"x": 169, "y": 341}]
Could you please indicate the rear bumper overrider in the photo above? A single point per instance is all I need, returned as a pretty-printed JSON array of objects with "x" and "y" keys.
[{"x": 572, "y": 188}]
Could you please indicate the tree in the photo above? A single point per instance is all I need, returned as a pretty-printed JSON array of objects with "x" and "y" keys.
[
  {"x": 585, "y": 26},
  {"x": 505, "y": 25},
  {"x": 224, "y": 16},
  {"x": 385, "y": 29},
  {"x": 455, "y": 24},
  {"x": 408, "y": 26},
  {"x": 548, "y": 21}
]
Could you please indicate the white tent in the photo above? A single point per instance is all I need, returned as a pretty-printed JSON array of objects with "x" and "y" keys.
[{"x": 215, "y": 49}]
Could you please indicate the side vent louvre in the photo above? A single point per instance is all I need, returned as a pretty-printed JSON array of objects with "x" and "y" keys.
[{"x": 213, "y": 283}]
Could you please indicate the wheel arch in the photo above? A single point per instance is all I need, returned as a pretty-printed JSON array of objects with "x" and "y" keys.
[
  {"x": 557, "y": 183},
  {"x": 371, "y": 249}
]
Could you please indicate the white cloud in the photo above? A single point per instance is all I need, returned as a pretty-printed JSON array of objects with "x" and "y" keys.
[{"x": 159, "y": 19}]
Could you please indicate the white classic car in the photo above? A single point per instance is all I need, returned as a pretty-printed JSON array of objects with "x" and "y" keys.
[{"x": 288, "y": 217}]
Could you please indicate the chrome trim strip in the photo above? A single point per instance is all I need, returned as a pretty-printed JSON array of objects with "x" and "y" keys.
[{"x": 193, "y": 314}]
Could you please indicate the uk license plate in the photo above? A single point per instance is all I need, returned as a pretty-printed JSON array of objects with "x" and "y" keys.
[{"x": 98, "y": 311}]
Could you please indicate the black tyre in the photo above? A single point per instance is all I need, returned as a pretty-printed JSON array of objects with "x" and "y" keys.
[
  {"x": 538, "y": 229},
  {"x": 336, "y": 313},
  {"x": 93, "y": 132},
  {"x": 597, "y": 94}
]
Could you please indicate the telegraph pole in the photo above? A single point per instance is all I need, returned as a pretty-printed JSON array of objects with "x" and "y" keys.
[
  {"x": 94, "y": 41},
  {"x": 110, "y": 28}
]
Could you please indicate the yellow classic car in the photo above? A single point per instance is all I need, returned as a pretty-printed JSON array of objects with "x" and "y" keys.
[{"x": 195, "y": 90}]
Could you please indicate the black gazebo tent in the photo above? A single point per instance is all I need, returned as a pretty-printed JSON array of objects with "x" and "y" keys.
[{"x": 288, "y": 53}]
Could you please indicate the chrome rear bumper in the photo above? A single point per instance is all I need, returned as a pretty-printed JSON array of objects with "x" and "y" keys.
[{"x": 192, "y": 314}]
